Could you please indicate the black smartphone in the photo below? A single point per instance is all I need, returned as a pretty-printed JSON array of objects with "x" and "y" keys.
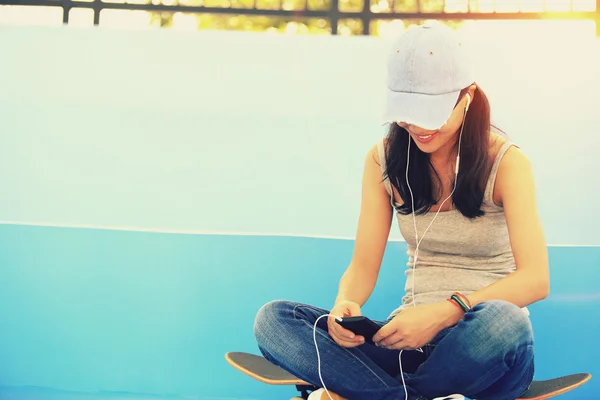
[{"x": 360, "y": 325}]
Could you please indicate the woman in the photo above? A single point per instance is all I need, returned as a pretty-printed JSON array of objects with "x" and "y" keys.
[{"x": 465, "y": 202}]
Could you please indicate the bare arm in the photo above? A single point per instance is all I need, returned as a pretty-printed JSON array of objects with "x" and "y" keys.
[
  {"x": 373, "y": 230},
  {"x": 530, "y": 282}
]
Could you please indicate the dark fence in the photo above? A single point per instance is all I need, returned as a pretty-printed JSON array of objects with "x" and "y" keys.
[{"x": 332, "y": 11}]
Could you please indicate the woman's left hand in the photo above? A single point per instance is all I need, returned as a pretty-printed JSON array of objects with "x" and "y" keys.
[{"x": 416, "y": 326}]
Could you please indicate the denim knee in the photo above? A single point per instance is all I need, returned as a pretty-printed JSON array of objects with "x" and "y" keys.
[
  {"x": 501, "y": 327},
  {"x": 268, "y": 318},
  {"x": 505, "y": 319}
]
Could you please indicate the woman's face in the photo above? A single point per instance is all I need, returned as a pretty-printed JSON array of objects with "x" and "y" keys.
[{"x": 444, "y": 138}]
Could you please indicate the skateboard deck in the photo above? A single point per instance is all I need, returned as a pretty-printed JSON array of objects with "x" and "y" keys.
[{"x": 264, "y": 371}]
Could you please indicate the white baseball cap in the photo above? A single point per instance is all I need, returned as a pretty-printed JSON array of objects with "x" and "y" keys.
[{"x": 427, "y": 69}]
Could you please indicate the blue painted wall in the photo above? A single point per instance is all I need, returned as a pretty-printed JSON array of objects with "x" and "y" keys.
[
  {"x": 158, "y": 187},
  {"x": 155, "y": 313}
]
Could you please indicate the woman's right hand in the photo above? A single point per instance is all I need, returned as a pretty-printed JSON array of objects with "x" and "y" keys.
[{"x": 340, "y": 335}]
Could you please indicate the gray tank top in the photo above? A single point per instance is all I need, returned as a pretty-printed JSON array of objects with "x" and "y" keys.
[{"x": 457, "y": 254}]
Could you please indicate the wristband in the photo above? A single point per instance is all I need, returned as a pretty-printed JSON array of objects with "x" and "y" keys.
[
  {"x": 464, "y": 299},
  {"x": 460, "y": 303},
  {"x": 455, "y": 304}
]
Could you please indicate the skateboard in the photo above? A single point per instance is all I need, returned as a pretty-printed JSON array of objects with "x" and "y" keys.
[{"x": 264, "y": 371}]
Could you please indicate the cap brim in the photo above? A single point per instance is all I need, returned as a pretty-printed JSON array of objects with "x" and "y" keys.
[{"x": 429, "y": 112}]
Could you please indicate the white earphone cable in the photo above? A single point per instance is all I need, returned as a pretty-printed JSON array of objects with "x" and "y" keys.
[
  {"x": 417, "y": 240},
  {"x": 416, "y": 255},
  {"x": 318, "y": 355}
]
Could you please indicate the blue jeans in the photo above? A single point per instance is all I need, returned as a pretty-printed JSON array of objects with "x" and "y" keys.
[{"x": 488, "y": 355}]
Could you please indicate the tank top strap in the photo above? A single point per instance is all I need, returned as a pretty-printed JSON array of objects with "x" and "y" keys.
[{"x": 489, "y": 189}]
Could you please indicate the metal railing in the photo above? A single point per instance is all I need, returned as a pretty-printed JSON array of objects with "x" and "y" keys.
[{"x": 332, "y": 14}]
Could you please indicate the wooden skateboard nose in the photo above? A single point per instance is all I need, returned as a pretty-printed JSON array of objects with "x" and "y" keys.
[
  {"x": 262, "y": 370},
  {"x": 541, "y": 390}
]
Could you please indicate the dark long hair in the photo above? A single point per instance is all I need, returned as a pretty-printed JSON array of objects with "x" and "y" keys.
[{"x": 474, "y": 164}]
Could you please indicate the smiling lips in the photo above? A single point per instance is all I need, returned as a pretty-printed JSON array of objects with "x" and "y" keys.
[{"x": 424, "y": 138}]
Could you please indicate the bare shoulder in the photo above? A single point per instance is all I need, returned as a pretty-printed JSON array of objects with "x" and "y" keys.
[
  {"x": 372, "y": 163},
  {"x": 375, "y": 164},
  {"x": 514, "y": 159},
  {"x": 374, "y": 156},
  {"x": 374, "y": 152},
  {"x": 514, "y": 171},
  {"x": 513, "y": 162}
]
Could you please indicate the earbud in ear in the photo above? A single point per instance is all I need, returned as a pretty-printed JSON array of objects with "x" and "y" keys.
[{"x": 468, "y": 102}]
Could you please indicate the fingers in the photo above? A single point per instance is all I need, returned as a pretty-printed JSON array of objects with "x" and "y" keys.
[
  {"x": 359, "y": 340},
  {"x": 384, "y": 333},
  {"x": 342, "y": 333},
  {"x": 394, "y": 342},
  {"x": 339, "y": 334},
  {"x": 389, "y": 338},
  {"x": 342, "y": 336}
]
